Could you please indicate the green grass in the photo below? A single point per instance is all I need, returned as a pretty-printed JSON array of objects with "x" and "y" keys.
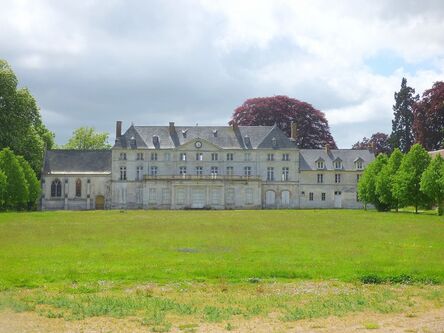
[{"x": 168, "y": 246}]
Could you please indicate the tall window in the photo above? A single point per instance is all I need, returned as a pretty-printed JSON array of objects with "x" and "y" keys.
[
  {"x": 247, "y": 171},
  {"x": 248, "y": 196},
  {"x": 323, "y": 196},
  {"x": 270, "y": 173},
  {"x": 56, "y": 189},
  {"x": 122, "y": 156},
  {"x": 285, "y": 173},
  {"x": 122, "y": 173},
  {"x": 199, "y": 171},
  {"x": 285, "y": 157},
  {"x": 230, "y": 170},
  {"x": 139, "y": 156},
  {"x": 167, "y": 156},
  {"x": 214, "y": 171},
  {"x": 153, "y": 156},
  {"x": 199, "y": 157},
  {"x": 247, "y": 156},
  {"x": 214, "y": 156},
  {"x": 310, "y": 196},
  {"x": 139, "y": 172},
  {"x": 78, "y": 188},
  {"x": 153, "y": 171},
  {"x": 230, "y": 157},
  {"x": 183, "y": 156},
  {"x": 183, "y": 170},
  {"x": 337, "y": 178},
  {"x": 270, "y": 157},
  {"x": 320, "y": 178}
]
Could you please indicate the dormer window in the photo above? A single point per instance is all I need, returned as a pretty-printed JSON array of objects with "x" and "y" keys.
[
  {"x": 155, "y": 140},
  {"x": 247, "y": 140},
  {"x": 359, "y": 164},
  {"x": 184, "y": 133},
  {"x": 320, "y": 164},
  {"x": 215, "y": 132},
  {"x": 337, "y": 163}
]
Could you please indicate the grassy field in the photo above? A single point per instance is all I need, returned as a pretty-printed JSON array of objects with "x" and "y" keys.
[{"x": 215, "y": 265}]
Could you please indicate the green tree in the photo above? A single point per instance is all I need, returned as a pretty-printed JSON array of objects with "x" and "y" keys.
[
  {"x": 367, "y": 183},
  {"x": 88, "y": 138},
  {"x": 21, "y": 127},
  {"x": 432, "y": 184},
  {"x": 385, "y": 179},
  {"x": 16, "y": 188},
  {"x": 406, "y": 186},
  {"x": 32, "y": 181},
  {"x": 3, "y": 183},
  {"x": 402, "y": 124}
]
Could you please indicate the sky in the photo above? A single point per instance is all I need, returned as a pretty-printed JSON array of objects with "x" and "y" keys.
[{"x": 91, "y": 63}]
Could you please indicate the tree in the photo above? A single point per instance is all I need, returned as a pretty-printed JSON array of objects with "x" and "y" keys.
[
  {"x": 428, "y": 124},
  {"x": 402, "y": 124},
  {"x": 3, "y": 184},
  {"x": 385, "y": 179},
  {"x": 32, "y": 181},
  {"x": 16, "y": 189},
  {"x": 379, "y": 143},
  {"x": 312, "y": 126},
  {"x": 367, "y": 183},
  {"x": 432, "y": 184},
  {"x": 21, "y": 127},
  {"x": 406, "y": 186},
  {"x": 88, "y": 138}
]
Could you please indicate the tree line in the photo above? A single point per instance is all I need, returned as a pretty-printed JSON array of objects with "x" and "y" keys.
[{"x": 411, "y": 179}]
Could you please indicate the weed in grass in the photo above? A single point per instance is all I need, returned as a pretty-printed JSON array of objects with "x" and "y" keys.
[
  {"x": 371, "y": 326},
  {"x": 188, "y": 327},
  {"x": 229, "y": 327}
]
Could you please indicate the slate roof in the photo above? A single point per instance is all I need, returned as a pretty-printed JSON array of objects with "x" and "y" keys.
[
  {"x": 308, "y": 158},
  {"x": 77, "y": 161},
  {"x": 225, "y": 137}
]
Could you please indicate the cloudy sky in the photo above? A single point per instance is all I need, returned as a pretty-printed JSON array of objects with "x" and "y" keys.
[{"x": 90, "y": 63}]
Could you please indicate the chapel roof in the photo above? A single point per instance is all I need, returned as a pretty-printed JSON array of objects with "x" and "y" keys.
[{"x": 70, "y": 161}]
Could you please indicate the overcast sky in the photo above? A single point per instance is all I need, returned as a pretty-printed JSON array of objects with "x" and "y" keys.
[{"x": 90, "y": 63}]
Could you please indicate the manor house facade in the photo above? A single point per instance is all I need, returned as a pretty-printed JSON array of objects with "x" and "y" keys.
[{"x": 202, "y": 167}]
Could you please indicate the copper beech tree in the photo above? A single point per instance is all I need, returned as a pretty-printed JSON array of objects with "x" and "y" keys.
[{"x": 312, "y": 126}]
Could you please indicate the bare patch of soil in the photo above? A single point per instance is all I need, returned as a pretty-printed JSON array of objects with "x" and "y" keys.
[{"x": 431, "y": 321}]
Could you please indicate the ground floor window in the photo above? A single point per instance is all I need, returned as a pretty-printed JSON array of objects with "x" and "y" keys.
[
  {"x": 311, "y": 196},
  {"x": 56, "y": 188},
  {"x": 323, "y": 196}
]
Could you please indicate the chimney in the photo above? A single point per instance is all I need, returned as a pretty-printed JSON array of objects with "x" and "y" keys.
[
  {"x": 294, "y": 131},
  {"x": 327, "y": 148},
  {"x": 172, "y": 128},
  {"x": 118, "y": 129}
]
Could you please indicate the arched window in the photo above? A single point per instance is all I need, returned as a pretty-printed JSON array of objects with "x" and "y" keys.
[
  {"x": 78, "y": 188},
  {"x": 56, "y": 188}
]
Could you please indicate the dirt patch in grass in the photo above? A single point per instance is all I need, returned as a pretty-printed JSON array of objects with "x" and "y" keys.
[{"x": 431, "y": 321}]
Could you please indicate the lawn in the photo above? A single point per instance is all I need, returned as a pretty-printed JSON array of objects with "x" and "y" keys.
[{"x": 185, "y": 270}]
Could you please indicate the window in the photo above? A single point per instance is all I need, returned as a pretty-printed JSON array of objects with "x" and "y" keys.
[
  {"x": 153, "y": 171},
  {"x": 359, "y": 165},
  {"x": 183, "y": 156},
  {"x": 214, "y": 171},
  {"x": 310, "y": 196},
  {"x": 285, "y": 173},
  {"x": 230, "y": 196},
  {"x": 214, "y": 156},
  {"x": 320, "y": 178},
  {"x": 199, "y": 171},
  {"x": 230, "y": 171},
  {"x": 153, "y": 156},
  {"x": 338, "y": 164},
  {"x": 165, "y": 196},
  {"x": 270, "y": 174},
  {"x": 78, "y": 188},
  {"x": 285, "y": 157},
  {"x": 152, "y": 195},
  {"x": 230, "y": 157},
  {"x": 182, "y": 170},
  {"x": 247, "y": 157},
  {"x": 139, "y": 156},
  {"x": 247, "y": 171},
  {"x": 323, "y": 196},
  {"x": 180, "y": 196},
  {"x": 167, "y": 156},
  {"x": 139, "y": 195},
  {"x": 215, "y": 196},
  {"x": 56, "y": 189},
  {"x": 270, "y": 157},
  {"x": 139, "y": 173},
  {"x": 122, "y": 156},
  {"x": 337, "y": 178},
  {"x": 199, "y": 157},
  {"x": 320, "y": 164},
  {"x": 249, "y": 196},
  {"x": 357, "y": 177},
  {"x": 122, "y": 173}
]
